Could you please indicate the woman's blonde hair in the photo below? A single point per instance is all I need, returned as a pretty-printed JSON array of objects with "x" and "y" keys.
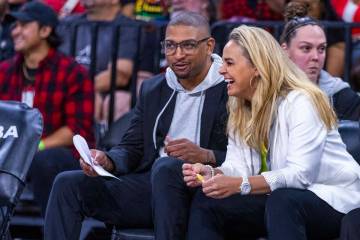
[{"x": 278, "y": 75}]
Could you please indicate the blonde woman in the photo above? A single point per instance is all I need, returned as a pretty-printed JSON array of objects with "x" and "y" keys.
[{"x": 287, "y": 173}]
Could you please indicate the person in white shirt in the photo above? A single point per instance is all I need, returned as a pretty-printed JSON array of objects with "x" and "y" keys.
[{"x": 287, "y": 173}]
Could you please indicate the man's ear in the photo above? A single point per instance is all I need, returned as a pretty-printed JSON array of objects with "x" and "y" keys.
[
  {"x": 211, "y": 45},
  {"x": 45, "y": 31}
]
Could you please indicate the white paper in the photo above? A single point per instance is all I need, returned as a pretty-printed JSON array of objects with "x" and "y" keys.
[{"x": 84, "y": 151}]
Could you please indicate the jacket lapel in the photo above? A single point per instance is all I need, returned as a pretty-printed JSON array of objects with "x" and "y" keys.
[
  {"x": 212, "y": 98},
  {"x": 167, "y": 115}
]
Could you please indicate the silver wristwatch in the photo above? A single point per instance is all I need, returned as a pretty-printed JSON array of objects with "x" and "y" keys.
[{"x": 245, "y": 187}]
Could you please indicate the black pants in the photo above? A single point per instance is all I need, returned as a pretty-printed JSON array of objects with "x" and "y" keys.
[
  {"x": 126, "y": 203},
  {"x": 284, "y": 214},
  {"x": 171, "y": 199},
  {"x": 44, "y": 168},
  {"x": 350, "y": 226}
]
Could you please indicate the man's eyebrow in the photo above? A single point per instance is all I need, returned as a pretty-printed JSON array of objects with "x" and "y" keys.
[{"x": 190, "y": 39}]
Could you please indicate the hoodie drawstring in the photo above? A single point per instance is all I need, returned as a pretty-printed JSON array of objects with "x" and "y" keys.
[
  {"x": 158, "y": 117},
  {"x": 197, "y": 131}
]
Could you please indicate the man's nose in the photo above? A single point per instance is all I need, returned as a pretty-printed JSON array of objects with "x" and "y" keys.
[
  {"x": 15, "y": 29},
  {"x": 179, "y": 52}
]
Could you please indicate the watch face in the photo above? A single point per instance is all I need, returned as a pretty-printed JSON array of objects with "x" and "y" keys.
[{"x": 245, "y": 188}]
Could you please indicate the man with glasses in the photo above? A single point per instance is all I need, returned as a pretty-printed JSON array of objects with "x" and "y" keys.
[{"x": 180, "y": 116}]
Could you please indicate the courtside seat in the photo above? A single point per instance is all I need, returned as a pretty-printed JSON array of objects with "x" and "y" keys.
[
  {"x": 350, "y": 134},
  {"x": 132, "y": 234},
  {"x": 20, "y": 132}
]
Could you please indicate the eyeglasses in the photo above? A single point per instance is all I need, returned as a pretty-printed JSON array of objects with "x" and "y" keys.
[{"x": 187, "y": 46}]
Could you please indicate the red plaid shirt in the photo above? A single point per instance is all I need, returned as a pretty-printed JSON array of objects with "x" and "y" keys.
[
  {"x": 64, "y": 93},
  {"x": 241, "y": 8}
]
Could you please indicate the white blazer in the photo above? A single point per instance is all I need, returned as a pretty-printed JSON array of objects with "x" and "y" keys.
[{"x": 303, "y": 155}]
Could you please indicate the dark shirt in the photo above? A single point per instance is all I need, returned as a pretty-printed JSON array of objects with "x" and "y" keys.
[
  {"x": 127, "y": 43},
  {"x": 6, "y": 42},
  {"x": 347, "y": 104}
]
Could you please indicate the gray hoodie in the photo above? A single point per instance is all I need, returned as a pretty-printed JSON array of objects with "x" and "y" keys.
[
  {"x": 331, "y": 85},
  {"x": 186, "y": 121}
]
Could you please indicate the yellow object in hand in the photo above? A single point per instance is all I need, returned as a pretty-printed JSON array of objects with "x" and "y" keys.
[{"x": 199, "y": 178}]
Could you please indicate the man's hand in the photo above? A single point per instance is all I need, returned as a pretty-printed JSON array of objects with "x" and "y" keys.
[
  {"x": 87, "y": 169},
  {"x": 186, "y": 150},
  {"x": 221, "y": 186},
  {"x": 100, "y": 159}
]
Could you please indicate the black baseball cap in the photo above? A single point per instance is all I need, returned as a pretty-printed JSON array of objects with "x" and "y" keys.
[{"x": 36, "y": 11}]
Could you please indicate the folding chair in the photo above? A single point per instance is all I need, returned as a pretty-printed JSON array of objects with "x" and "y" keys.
[{"x": 20, "y": 132}]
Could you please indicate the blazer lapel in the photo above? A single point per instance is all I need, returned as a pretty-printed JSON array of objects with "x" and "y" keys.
[
  {"x": 167, "y": 115},
  {"x": 211, "y": 103}
]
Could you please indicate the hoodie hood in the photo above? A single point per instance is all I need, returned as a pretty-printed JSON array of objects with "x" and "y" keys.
[
  {"x": 331, "y": 85},
  {"x": 212, "y": 78},
  {"x": 186, "y": 102}
]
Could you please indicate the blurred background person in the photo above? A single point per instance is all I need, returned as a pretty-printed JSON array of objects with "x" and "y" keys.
[
  {"x": 270, "y": 10},
  {"x": 6, "y": 42},
  {"x": 206, "y": 8},
  {"x": 152, "y": 10},
  {"x": 42, "y": 77},
  {"x": 349, "y": 11},
  {"x": 323, "y": 10},
  {"x": 65, "y": 7},
  {"x": 106, "y": 14},
  {"x": 304, "y": 41},
  {"x": 128, "y": 8}
]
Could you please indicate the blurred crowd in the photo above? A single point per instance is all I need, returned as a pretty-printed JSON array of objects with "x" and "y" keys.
[{"x": 214, "y": 10}]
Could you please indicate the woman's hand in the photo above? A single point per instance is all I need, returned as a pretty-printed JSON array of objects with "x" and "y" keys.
[
  {"x": 221, "y": 186},
  {"x": 190, "y": 172}
]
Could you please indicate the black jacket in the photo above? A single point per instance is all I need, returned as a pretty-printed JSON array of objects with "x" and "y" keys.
[
  {"x": 136, "y": 152},
  {"x": 346, "y": 104}
]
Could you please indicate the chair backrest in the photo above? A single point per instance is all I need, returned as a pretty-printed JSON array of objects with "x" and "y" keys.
[
  {"x": 20, "y": 132},
  {"x": 350, "y": 134},
  {"x": 116, "y": 131}
]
